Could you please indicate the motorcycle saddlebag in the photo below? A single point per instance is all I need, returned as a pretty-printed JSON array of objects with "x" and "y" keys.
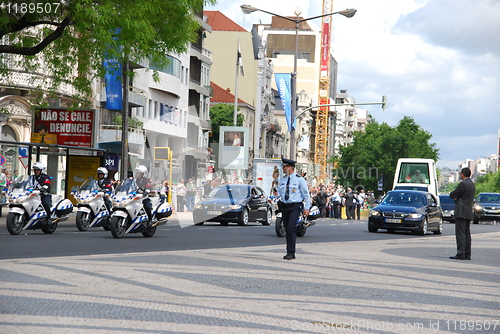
[
  {"x": 164, "y": 211},
  {"x": 64, "y": 207},
  {"x": 314, "y": 213}
]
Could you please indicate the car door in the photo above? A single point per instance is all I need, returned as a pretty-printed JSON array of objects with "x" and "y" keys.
[
  {"x": 256, "y": 203},
  {"x": 434, "y": 210}
]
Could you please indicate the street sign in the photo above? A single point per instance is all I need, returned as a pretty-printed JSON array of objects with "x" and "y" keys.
[
  {"x": 2, "y": 160},
  {"x": 23, "y": 151},
  {"x": 162, "y": 153}
]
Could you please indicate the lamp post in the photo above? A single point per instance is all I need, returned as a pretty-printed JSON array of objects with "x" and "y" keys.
[{"x": 249, "y": 9}]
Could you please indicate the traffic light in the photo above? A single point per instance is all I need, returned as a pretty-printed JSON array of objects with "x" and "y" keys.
[{"x": 384, "y": 101}]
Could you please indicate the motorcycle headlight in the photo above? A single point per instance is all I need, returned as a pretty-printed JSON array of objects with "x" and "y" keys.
[
  {"x": 415, "y": 215},
  {"x": 374, "y": 213}
]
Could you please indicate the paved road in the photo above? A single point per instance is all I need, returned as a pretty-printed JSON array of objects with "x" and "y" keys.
[{"x": 215, "y": 279}]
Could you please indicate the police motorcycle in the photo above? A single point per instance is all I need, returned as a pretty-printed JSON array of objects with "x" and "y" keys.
[
  {"x": 92, "y": 210},
  {"x": 302, "y": 223},
  {"x": 129, "y": 214},
  {"x": 26, "y": 211}
]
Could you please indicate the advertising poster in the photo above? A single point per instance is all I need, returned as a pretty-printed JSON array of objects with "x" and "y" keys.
[
  {"x": 79, "y": 169},
  {"x": 72, "y": 127},
  {"x": 233, "y": 147}
]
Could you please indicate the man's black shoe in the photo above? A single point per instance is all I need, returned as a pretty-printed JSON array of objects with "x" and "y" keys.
[
  {"x": 467, "y": 257},
  {"x": 289, "y": 256},
  {"x": 458, "y": 257}
]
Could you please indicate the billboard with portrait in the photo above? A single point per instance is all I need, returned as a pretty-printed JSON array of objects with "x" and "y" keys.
[{"x": 234, "y": 147}]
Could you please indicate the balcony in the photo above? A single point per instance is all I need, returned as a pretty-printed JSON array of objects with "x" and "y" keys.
[
  {"x": 136, "y": 97},
  {"x": 110, "y": 137}
]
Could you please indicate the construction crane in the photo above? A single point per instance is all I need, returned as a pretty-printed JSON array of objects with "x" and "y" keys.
[{"x": 321, "y": 154}]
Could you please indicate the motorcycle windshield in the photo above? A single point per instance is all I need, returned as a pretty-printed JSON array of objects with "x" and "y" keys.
[
  {"x": 127, "y": 186},
  {"x": 89, "y": 184},
  {"x": 24, "y": 182}
]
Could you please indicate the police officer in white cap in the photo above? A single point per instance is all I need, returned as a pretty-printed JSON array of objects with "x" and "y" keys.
[{"x": 295, "y": 198}]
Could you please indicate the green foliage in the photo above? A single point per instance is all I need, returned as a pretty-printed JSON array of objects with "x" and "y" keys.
[
  {"x": 223, "y": 115},
  {"x": 489, "y": 183},
  {"x": 73, "y": 41},
  {"x": 375, "y": 153},
  {"x": 132, "y": 122}
]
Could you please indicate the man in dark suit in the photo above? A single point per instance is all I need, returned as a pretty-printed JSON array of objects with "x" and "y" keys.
[
  {"x": 464, "y": 198},
  {"x": 349, "y": 203}
]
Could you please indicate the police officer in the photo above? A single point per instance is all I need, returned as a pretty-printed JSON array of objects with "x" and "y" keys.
[
  {"x": 43, "y": 180},
  {"x": 145, "y": 186},
  {"x": 294, "y": 194},
  {"x": 105, "y": 185}
]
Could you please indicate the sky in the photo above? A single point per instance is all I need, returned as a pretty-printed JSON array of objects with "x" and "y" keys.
[{"x": 437, "y": 61}]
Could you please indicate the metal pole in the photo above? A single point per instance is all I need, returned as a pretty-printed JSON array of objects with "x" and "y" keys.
[
  {"x": 258, "y": 106},
  {"x": 293, "y": 149},
  {"x": 124, "y": 158},
  {"x": 236, "y": 81}
]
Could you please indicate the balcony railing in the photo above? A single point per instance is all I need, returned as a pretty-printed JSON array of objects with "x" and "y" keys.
[{"x": 136, "y": 97}]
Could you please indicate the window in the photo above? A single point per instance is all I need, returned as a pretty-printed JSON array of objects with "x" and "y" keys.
[{"x": 414, "y": 173}]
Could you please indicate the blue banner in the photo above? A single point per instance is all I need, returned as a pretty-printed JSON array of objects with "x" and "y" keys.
[
  {"x": 113, "y": 81},
  {"x": 283, "y": 82}
]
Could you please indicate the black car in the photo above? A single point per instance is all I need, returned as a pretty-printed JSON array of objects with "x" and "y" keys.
[
  {"x": 407, "y": 210},
  {"x": 238, "y": 203},
  {"x": 487, "y": 207},
  {"x": 448, "y": 207}
]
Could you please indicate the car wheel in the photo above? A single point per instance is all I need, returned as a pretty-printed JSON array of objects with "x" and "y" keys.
[
  {"x": 423, "y": 229},
  {"x": 244, "y": 217},
  {"x": 269, "y": 218},
  {"x": 439, "y": 229},
  {"x": 475, "y": 220},
  {"x": 372, "y": 229}
]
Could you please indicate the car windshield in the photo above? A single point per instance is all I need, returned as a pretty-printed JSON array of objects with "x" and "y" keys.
[
  {"x": 445, "y": 199},
  {"x": 89, "y": 184},
  {"x": 230, "y": 191},
  {"x": 405, "y": 199},
  {"x": 127, "y": 186},
  {"x": 489, "y": 198}
]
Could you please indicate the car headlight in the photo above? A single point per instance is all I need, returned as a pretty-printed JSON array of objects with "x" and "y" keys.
[
  {"x": 374, "y": 213},
  {"x": 234, "y": 207},
  {"x": 198, "y": 206},
  {"x": 478, "y": 208},
  {"x": 415, "y": 215}
]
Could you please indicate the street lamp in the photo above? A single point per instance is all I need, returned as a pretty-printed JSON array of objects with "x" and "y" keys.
[{"x": 249, "y": 9}]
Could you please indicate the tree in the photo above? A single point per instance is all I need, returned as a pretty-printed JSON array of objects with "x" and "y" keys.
[
  {"x": 489, "y": 183},
  {"x": 375, "y": 152},
  {"x": 223, "y": 115},
  {"x": 73, "y": 37}
]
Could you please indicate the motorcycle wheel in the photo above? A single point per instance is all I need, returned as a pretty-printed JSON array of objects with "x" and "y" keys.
[
  {"x": 82, "y": 221},
  {"x": 15, "y": 223},
  {"x": 149, "y": 232},
  {"x": 50, "y": 228},
  {"x": 301, "y": 231},
  {"x": 118, "y": 227},
  {"x": 279, "y": 227}
]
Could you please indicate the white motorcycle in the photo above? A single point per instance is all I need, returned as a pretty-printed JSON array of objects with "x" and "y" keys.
[
  {"x": 302, "y": 223},
  {"x": 26, "y": 211},
  {"x": 92, "y": 210},
  {"x": 129, "y": 215}
]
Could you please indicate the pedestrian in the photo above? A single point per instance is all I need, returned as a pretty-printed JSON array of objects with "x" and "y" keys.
[
  {"x": 336, "y": 204},
  {"x": 181, "y": 194},
  {"x": 164, "y": 192},
  {"x": 321, "y": 199},
  {"x": 359, "y": 204},
  {"x": 294, "y": 201},
  {"x": 350, "y": 204},
  {"x": 464, "y": 199},
  {"x": 190, "y": 194}
]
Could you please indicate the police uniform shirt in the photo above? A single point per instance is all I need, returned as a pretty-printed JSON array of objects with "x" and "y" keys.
[{"x": 298, "y": 190}]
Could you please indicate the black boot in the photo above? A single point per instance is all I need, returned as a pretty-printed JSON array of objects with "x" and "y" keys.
[{"x": 289, "y": 256}]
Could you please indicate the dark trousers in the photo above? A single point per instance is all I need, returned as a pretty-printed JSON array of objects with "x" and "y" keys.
[
  {"x": 322, "y": 210},
  {"x": 290, "y": 217},
  {"x": 358, "y": 211},
  {"x": 180, "y": 203},
  {"x": 349, "y": 210},
  {"x": 148, "y": 207},
  {"x": 462, "y": 234},
  {"x": 336, "y": 210},
  {"x": 47, "y": 203}
]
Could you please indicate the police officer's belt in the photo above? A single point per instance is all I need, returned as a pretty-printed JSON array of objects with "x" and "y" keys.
[{"x": 286, "y": 205}]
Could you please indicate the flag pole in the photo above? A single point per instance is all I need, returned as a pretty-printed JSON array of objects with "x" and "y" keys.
[{"x": 235, "y": 113}]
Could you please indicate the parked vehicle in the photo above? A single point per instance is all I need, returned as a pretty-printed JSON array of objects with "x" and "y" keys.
[
  {"x": 416, "y": 174},
  {"x": 238, "y": 203},
  {"x": 92, "y": 210},
  {"x": 448, "y": 207},
  {"x": 407, "y": 210},
  {"x": 129, "y": 215},
  {"x": 487, "y": 207},
  {"x": 302, "y": 224},
  {"x": 26, "y": 211}
]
